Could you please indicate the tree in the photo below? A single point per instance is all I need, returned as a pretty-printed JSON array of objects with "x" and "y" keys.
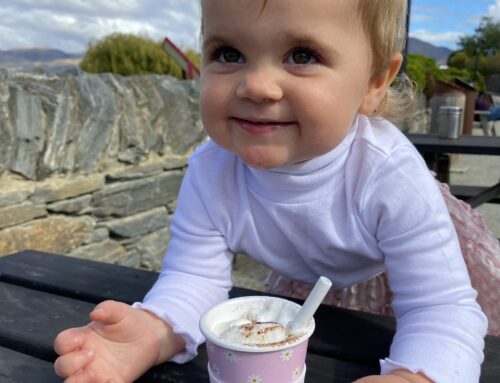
[
  {"x": 479, "y": 52},
  {"x": 128, "y": 54}
]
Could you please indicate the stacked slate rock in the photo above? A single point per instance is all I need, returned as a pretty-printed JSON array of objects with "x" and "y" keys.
[{"x": 90, "y": 165}]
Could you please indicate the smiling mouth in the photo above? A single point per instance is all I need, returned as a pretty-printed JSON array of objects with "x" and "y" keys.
[{"x": 261, "y": 127}]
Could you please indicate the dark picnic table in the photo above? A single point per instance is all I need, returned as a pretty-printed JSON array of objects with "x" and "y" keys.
[
  {"x": 42, "y": 294},
  {"x": 436, "y": 150}
]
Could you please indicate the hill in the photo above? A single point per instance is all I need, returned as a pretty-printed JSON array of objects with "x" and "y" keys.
[
  {"x": 440, "y": 54},
  {"x": 49, "y": 60}
]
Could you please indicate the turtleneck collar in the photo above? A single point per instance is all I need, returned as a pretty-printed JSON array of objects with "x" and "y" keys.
[{"x": 304, "y": 181}]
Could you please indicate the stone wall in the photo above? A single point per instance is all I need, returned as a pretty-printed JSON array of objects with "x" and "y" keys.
[
  {"x": 419, "y": 121},
  {"x": 90, "y": 165}
]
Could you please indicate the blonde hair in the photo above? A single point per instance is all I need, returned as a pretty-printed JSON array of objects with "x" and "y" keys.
[{"x": 384, "y": 24}]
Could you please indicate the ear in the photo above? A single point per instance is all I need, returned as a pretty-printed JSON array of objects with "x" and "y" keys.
[{"x": 378, "y": 86}]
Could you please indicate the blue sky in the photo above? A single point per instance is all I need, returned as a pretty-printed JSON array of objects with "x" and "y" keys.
[
  {"x": 441, "y": 22},
  {"x": 70, "y": 24}
]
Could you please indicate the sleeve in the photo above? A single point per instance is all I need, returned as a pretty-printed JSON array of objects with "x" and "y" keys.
[
  {"x": 196, "y": 270},
  {"x": 440, "y": 327}
]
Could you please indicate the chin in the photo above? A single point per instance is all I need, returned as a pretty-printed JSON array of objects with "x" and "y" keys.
[
  {"x": 264, "y": 158},
  {"x": 261, "y": 163}
]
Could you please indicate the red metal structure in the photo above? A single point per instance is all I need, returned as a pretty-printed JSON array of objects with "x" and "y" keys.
[{"x": 189, "y": 70}]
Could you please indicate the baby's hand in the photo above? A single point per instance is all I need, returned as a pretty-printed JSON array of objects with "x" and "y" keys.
[
  {"x": 118, "y": 346},
  {"x": 396, "y": 376}
]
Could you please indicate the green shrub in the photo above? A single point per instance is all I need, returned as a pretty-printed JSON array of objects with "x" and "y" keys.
[
  {"x": 128, "y": 54},
  {"x": 424, "y": 71}
]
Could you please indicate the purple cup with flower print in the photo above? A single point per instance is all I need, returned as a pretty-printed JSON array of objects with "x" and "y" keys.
[{"x": 235, "y": 362}]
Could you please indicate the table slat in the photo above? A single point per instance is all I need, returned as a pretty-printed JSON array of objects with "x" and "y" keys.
[
  {"x": 20, "y": 368},
  {"x": 81, "y": 279},
  {"x": 428, "y": 143},
  {"x": 31, "y": 319}
]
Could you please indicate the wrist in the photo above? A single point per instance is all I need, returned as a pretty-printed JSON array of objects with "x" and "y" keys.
[
  {"x": 410, "y": 377},
  {"x": 165, "y": 341}
]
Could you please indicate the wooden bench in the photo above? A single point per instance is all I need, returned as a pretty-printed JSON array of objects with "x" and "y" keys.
[{"x": 476, "y": 195}]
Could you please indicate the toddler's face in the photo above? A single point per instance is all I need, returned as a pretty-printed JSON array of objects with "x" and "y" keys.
[{"x": 283, "y": 83}]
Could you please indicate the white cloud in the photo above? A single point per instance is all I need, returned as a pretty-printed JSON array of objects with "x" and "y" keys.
[
  {"x": 70, "y": 24},
  {"x": 494, "y": 10},
  {"x": 447, "y": 39}
]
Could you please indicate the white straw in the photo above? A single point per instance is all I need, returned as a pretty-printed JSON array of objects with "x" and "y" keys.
[{"x": 310, "y": 306}]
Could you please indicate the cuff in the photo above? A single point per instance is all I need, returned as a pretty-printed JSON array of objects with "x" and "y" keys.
[
  {"x": 191, "y": 341},
  {"x": 387, "y": 365}
]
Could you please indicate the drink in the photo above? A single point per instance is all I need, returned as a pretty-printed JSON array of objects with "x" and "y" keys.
[{"x": 247, "y": 341}]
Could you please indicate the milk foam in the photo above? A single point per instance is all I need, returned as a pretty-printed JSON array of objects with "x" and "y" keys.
[{"x": 259, "y": 323}]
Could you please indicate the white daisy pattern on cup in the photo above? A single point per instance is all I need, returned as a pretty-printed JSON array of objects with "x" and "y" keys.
[
  {"x": 286, "y": 355},
  {"x": 254, "y": 378},
  {"x": 296, "y": 372},
  {"x": 231, "y": 355}
]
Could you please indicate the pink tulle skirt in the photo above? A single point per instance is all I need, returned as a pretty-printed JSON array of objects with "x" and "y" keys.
[{"x": 481, "y": 251}]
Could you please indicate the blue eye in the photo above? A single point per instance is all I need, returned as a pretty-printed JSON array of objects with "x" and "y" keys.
[
  {"x": 228, "y": 55},
  {"x": 302, "y": 56}
]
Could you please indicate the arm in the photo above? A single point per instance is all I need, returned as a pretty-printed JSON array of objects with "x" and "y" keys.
[
  {"x": 440, "y": 326},
  {"x": 196, "y": 271}
]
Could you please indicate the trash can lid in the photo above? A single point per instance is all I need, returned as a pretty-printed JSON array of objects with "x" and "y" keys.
[{"x": 450, "y": 109}]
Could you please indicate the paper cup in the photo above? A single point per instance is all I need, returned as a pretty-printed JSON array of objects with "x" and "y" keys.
[{"x": 235, "y": 363}]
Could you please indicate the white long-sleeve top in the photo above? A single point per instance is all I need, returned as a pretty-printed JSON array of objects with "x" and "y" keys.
[{"x": 367, "y": 206}]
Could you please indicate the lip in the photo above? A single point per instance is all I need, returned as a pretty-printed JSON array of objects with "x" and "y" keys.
[{"x": 261, "y": 126}]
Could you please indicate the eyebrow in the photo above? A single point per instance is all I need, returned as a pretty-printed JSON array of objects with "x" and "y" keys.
[{"x": 211, "y": 41}]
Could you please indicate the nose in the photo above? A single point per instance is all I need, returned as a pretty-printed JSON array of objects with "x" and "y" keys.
[{"x": 259, "y": 85}]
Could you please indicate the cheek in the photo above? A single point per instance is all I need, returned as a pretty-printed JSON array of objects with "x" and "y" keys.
[
  {"x": 204, "y": 95},
  {"x": 213, "y": 97},
  {"x": 212, "y": 111},
  {"x": 208, "y": 104},
  {"x": 327, "y": 115}
]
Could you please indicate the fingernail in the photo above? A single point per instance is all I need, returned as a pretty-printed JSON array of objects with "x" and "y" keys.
[{"x": 97, "y": 310}]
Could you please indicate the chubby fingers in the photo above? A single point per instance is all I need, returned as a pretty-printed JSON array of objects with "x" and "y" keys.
[
  {"x": 84, "y": 376},
  {"x": 74, "y": 363},
  {"x": 68, "y": 341},
  {"x": 109, "y": 312}
]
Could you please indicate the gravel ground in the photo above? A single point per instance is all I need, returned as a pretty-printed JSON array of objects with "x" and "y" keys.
[
  {"x": 480, "y": 171},
  {"x": 472, "y": 170},
  {"x": 249, "y": 274}
]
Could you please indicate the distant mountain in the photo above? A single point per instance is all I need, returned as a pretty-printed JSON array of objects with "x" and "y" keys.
[
  {"x": 440, "y": 54},
  {"x": 48, "y": 60}
]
